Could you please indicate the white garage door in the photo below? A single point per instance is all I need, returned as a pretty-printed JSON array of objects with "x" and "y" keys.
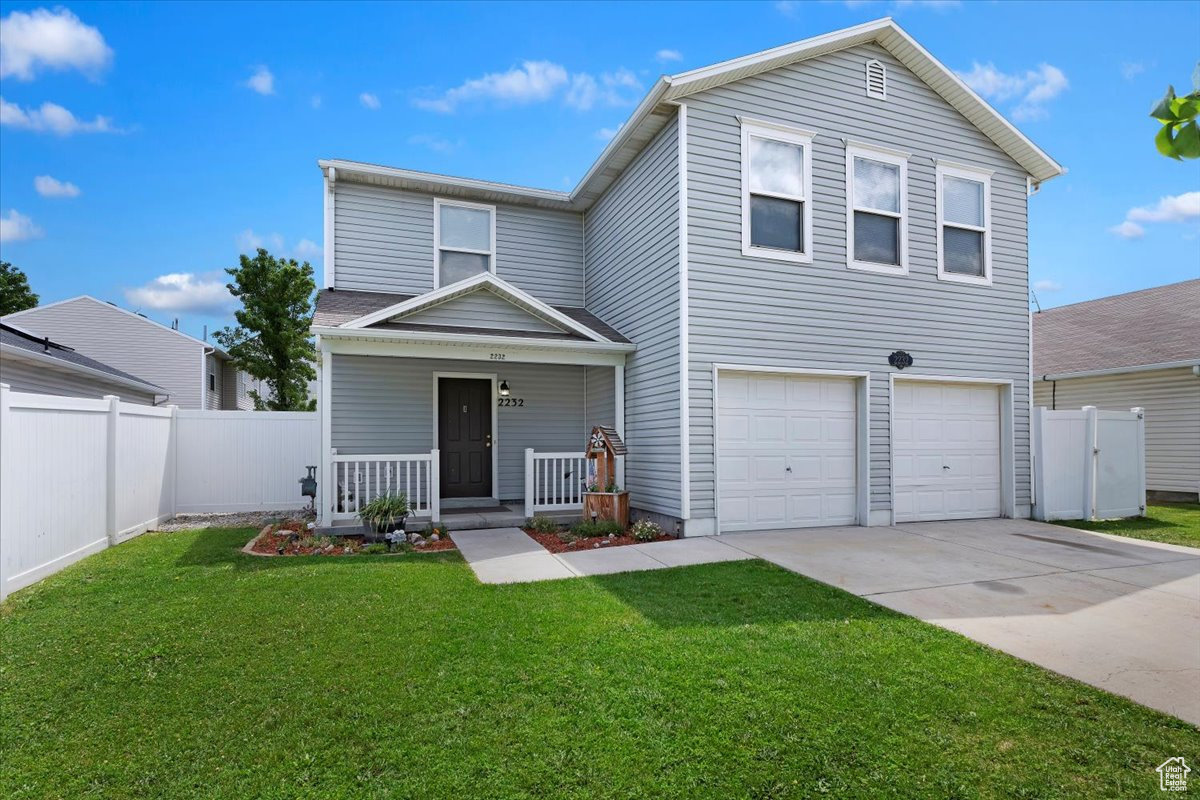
[
  {"x": 946, "y": 451},
  {"x": 787, "y": 446}
]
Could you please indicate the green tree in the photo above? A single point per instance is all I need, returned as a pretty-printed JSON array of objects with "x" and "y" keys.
[
  {"x": 271, "y": 340},
  {"x": 15, "y": 294},
  {"x": 1179, "y": 137}
]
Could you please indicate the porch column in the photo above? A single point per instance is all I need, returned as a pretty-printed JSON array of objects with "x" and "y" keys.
[
  {"x": 325, "y": 478},
  {"x": 619, "y": 412}
]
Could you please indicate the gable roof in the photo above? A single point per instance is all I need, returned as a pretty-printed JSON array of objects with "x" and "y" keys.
[
  {"x": 1159, "y": 326},
  {"x": 20, "y": 342},
  {"x": 656, "y": 110}
]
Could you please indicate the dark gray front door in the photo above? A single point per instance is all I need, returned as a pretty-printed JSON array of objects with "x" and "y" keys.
[{"x": 465, "y": 436}]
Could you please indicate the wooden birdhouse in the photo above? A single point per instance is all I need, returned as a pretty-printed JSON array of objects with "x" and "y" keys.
[{"x": 604, "y": 499}]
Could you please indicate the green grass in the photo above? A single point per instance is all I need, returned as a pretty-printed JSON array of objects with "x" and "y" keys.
[
  {"x": 174, "y": 666},
  {"x": 1176, "y": 523}
]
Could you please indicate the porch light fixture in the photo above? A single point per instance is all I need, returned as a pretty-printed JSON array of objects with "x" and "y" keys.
[{"x": 504, "y": 390}]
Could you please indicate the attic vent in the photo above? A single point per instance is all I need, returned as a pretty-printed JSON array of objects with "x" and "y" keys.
[{"x": 876, "y": 80}]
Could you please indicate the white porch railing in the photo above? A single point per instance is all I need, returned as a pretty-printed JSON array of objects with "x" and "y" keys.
[
  {"x": 360, "y": 478},
  {"x": 554, "y": 481}
]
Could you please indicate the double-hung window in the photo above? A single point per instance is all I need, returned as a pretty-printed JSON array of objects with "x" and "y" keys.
[
  {"x": 776, "y": 192},
  {"x": 465, "y": 241},
  {"x": 877, "y": 209},
  {"x": 964, "y": 220}
]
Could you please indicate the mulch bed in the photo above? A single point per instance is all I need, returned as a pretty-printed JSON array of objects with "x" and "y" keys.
[
  {"x": 291, "y": 538},
  {"x": 551, "y": 542}
]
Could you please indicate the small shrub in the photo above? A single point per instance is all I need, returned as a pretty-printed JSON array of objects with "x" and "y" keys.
[
  {"x": 645, "y": 530},
  {"x": 603, "y": 527},
  {"x": 375, "y": 549},
  {"x": 541, "y": 524}
]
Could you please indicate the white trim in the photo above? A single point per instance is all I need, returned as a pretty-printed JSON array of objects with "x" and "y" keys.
[
  {"x": 325, "y": 476},
  {"x": 963, "y": 167},
  {"x": 329, "y": 183},
  {"x": 879, "y": 155},
  {"x": 618, "y": 413},
  {"x": 685, "y": 422},
  {"x": 983, "y": 177},
  {"x": 438, "y": 203},
  {"x": 472, "y": 351},
  {"x": 483, "y": 280},
  {"x": 1093, "y": 373},
  {"x": 862, "y": 434},
  {"x": 495, "y": 448},
  {"x": 753, "y": 128},
  {"x": 1008, "y": 473}
]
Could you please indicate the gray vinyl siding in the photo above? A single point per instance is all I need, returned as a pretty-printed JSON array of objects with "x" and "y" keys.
[
  {"x": 633, "y": 285},
  {"x": 481, "y": 309},
  {"x": 599, "y": 398},
  {"x": 24, "y": 376},
  {"x": 127, "y": 342},
  {"x": 385, "y": 405},
  {"x": 757, "y": 311},
  {"x": 383, "y": 242},
  {"x": 1171, "y": 398}
]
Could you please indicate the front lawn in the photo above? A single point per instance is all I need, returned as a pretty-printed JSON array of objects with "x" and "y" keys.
[
  {"x": 1175, "y": 523},
  {"x": 175, "y": 666}
]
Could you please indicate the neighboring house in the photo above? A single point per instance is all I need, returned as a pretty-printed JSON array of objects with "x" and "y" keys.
[
  {"x": 196, "y": 374},
  {"x": 726, "y": 286},
  {"x": 32, "y": 363},
  {"x": 1140, "y": 349}
]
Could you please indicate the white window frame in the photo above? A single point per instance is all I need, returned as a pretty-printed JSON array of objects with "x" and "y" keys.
[
  {"x": 883, "y": 155},
  {"x": 789, "y": 135},
  {"x": 437, "y": 237},
  {"x": 969, "y": 173}
]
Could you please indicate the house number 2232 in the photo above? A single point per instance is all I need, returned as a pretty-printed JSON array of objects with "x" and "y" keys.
[
  {"x": 511, "y": 402},
  {"x": 498, "y": 356}
]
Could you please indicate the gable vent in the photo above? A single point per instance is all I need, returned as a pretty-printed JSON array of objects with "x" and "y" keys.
[{"x": 876, "y": 80}]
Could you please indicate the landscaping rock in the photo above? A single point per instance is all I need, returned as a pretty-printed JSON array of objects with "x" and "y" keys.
[
  {"x": 266, "y": 529},
  {"x": 434, "y": 538}
]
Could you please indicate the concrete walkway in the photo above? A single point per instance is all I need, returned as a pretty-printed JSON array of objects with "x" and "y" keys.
[{"x": 1120, "y": 614}]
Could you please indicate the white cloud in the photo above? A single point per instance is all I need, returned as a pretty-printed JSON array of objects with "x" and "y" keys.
[
  {"x": 1128, "y": 230},
  {"x": 16, "y": 227},
  {"x": 612, "y": 88},
  {"x": 52, "y": 40},
  {"x": 1047, "y": 286},
  {"x": 262, "y": 81},
  {"x": 606, "y": 134},
  {"x": 307, "y": 250},
  {"x": 1031, "y": 89},
  {"x": 434, "y": 143},
  {"x": 532, "y": 82},
  {"x": 789, "y": 8},
  {"x": 315, "y": 102},
  {"x": 47, "y": 186},
  {"x": 369, "y": 101},
  {"x": 1176, "y": 208},
  {"x": 51, "y": 118},
  {"x": 184, "y": 292},
  {"x": 248, "y": 241},
  {"x": 669, "y": 55},
  {"x": 932, "y": 5},
  {"x": 1131, "y": 69}
]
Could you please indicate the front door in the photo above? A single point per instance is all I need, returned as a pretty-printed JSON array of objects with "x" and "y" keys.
[{"x": 465, "y": 436}]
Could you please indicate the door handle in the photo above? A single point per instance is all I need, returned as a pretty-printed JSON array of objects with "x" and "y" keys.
[{"x": 488, "y": 443}]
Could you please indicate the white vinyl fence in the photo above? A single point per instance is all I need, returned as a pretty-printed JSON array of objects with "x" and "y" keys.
[
  {"x": 78, "y": 475},
  {"x": 1089, "y": 464}
]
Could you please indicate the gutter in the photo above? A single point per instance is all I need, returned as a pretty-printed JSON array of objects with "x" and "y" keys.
[
  {"x": 457, "y": 338},
  {"x": 1191, "y": 362}
]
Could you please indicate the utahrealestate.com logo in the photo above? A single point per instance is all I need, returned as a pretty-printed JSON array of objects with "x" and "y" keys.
[{"x": 1173, "y": 774}]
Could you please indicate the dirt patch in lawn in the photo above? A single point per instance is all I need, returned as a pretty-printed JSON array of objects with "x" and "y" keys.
[{"x": 555, "y": 544}]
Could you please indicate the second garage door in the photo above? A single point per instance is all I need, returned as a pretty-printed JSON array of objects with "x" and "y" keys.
[
  {"x": 787, "y": 451},
  {"x": 946, "y": 451}
]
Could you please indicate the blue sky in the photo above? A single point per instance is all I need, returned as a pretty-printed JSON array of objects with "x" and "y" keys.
[{"x": 180, "y": 135}]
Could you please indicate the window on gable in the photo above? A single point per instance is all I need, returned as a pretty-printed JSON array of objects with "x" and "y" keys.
[
  {"x": 776, "y": 189},
  {"x": 964, "y": 224},
  {"x": 877, "y": 211},
  {"x": 466, "y": 241}
]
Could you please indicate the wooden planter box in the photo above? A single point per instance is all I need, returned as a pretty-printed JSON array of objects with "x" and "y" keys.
[{"x": 607, "y": 505}]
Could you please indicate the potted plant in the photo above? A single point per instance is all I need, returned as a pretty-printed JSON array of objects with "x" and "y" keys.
[{"x": 386, "y": 513}]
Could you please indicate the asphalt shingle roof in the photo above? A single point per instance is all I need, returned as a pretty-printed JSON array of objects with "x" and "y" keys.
[
  {"x": 10, "y": 335},
  {"x": 1151, "y": 326}
]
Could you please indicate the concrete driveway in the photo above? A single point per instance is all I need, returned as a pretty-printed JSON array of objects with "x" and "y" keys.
[{"x": 1119, "y": 614}]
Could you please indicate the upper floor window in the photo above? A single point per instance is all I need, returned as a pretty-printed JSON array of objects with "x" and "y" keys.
[
  {"x": 212, "y": 381},
  {"x": 964, "y": 219},
  {"x": 776, "y": 191},
  {"x": 465, "y": 236},
  {"x": 877, "y": 208}
]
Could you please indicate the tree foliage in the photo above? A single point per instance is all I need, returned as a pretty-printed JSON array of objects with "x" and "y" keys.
[
  {"x": 271, "y": 340},
  {"x": 1179, "y": 138},
  {"x": 15, "y": 294}
]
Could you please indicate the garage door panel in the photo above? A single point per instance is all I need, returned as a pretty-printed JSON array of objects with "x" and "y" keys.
[{"x": 946, "y": 451}]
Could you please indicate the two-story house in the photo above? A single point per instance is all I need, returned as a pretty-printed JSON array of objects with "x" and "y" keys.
[{"x": 795, "y": 282}]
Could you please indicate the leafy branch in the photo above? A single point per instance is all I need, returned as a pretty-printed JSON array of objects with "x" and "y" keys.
[{"x": 1179, "y": 137}]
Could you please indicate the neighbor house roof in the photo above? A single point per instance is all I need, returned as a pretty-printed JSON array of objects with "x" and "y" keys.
[
  {"x": 22, "y": 343},
  {"x": 1159, "y": 326},
  {"x": 655, "y": 111}
]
